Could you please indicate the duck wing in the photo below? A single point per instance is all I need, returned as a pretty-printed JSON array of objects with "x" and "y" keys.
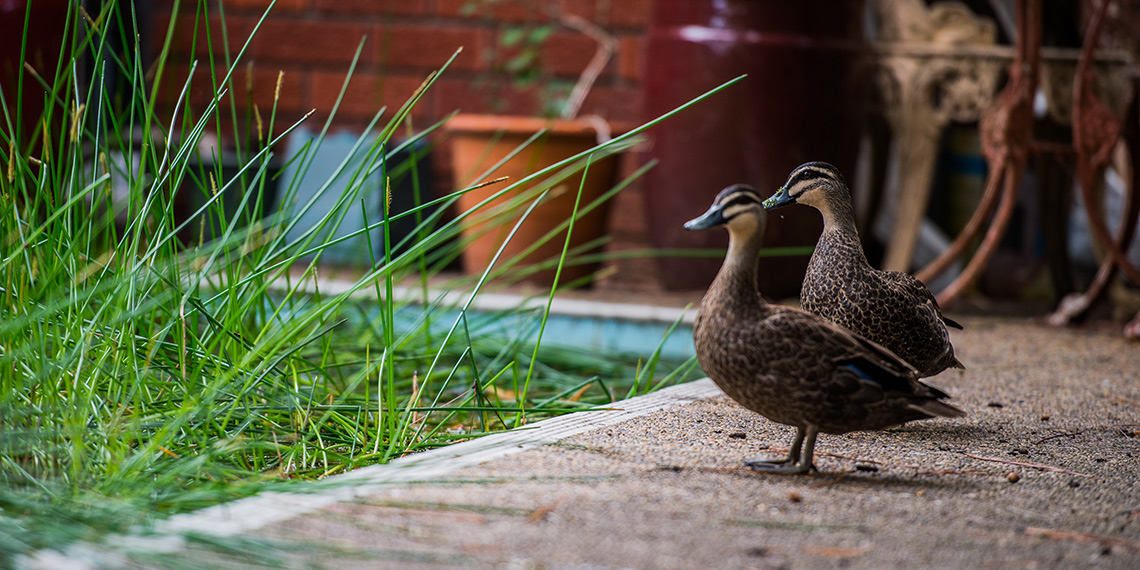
[
  {"x": 913, "y": 288},
  {"x": 861, "y": 371}
]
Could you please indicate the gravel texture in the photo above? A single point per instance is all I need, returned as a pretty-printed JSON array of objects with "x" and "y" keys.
[{"x": 1043, "y": 473}]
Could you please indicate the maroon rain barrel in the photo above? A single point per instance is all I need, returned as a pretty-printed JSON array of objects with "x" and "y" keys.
[{"x": 802, "y": 101}]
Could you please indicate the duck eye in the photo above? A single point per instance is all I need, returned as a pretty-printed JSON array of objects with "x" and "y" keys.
[{"x": 805, "y": 175}]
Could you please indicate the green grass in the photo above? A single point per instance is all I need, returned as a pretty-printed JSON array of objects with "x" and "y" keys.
[{"x": 147, "y": 370}]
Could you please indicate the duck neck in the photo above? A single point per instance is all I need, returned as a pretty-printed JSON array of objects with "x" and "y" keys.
[
  {"x": 838, "y": 213},
  {"x": 737, "y": 277},
  {"x": 839, "y": 227}
]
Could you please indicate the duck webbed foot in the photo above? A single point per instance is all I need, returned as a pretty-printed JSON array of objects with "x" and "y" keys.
[
  {"x": 796, "y": 462},
  {"x": 779, "y": 467}
]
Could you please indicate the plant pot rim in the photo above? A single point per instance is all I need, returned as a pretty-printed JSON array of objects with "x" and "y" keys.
[{"x": 486, "y": 123}]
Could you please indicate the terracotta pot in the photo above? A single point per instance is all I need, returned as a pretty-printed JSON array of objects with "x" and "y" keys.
[
  {"x": 480, "y": 141},
  {"x": 801, "y": 101}
]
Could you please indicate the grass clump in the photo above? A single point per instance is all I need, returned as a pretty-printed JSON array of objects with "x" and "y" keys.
[{"x": 156, "y": 358}]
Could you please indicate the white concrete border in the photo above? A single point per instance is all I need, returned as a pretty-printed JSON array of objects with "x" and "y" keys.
[
  {"x": 249, "y": 514},
  {"x": 508, "y": 301}
]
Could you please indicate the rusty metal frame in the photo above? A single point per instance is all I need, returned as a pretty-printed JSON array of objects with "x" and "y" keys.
[{"x": 1005, "y": 129}]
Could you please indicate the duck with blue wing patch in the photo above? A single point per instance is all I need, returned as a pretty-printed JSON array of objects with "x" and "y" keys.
[{"x": 791, "y": 366}]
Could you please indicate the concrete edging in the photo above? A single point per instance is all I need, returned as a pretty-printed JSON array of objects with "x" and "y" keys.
[
  {"x": 491, "y": 301},
  {"x": 252, "y": 513}
]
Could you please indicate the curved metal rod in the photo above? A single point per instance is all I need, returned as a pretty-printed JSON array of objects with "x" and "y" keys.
[
  {"x": 1131, "y": 204},
  {"x": 1114, "y": 252},
  {"x": 1089, "y": 166},
  {"x": 971, "y": 230},
  {"x": 1132, "y": 329},
  {"x": 1011, "y": 176},
  {"x": 1006, "y": 130},
  {"x": 1074, "y": 306},
  {"x": 1080, "y": 82}
]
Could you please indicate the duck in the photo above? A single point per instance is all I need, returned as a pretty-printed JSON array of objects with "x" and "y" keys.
[
  {"x": 891, "y": 308},
  {"x": 790, "y": 366}
]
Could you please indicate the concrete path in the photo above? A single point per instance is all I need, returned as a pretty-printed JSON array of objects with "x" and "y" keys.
[{"x": 1043, "y": 473}]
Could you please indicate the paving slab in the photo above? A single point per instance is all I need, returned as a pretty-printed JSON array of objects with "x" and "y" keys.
[{"x": 1043, "y": 473}]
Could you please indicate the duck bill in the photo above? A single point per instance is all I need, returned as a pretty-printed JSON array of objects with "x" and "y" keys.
[
  {"x": 713, "y": 217},
  {"x": 779, "y": 199}
]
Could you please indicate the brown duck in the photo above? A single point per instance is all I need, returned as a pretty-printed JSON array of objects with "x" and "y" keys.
[
  {"x": 791, "y": 366},
  {"x": 889, "y": 307}
]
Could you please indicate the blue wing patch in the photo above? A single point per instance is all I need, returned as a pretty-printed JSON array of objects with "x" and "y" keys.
[{"x": 859, "y": 372}]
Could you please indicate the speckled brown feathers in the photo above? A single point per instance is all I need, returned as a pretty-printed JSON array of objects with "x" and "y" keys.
[
  {"x": 789, "y": 365},
  {"x": 889, "y": 307}
]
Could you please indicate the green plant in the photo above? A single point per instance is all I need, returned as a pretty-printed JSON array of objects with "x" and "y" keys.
[
  {"x": 141, "y": 374},
  {"x": 517, "y": 55}
]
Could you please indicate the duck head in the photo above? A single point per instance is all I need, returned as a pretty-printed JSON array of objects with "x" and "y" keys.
[
  {"x": 737, "y": 207},
  {"x": 813, "y": 184}
]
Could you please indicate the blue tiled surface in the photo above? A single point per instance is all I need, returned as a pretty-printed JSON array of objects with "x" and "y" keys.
[{"x": 605, "y": 335}]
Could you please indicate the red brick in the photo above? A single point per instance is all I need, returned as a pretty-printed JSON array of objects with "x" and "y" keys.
[
  {"x": 264, "y": 86},
  {"x": 307, "y": 41},
  {"x": 507, "y": 10},
  {"x": 396, "y": 7},
  {"x": 167, "y": 6},
  {"x": 202, "y": 90},
  {"x": 160, "y": 20},
  {"x": 620, "y": 104},
  {"x": 429, "y": 47},
  {"x": 628, "y": 208},
  {"x": 173, "y": 81},
  {"x": 481, "y": 95},
  {"x": 191, "y": 30},
  {"x": 367, "y": 93},
  {"x": 261, "y": 5},
  {"x": 630, "y": 13},
  {"x": 568, "y": 53},
  {"x": 587, "y": 9},
  {"x": 224, "y": 129},
  {"x": 630, "y": 57}
]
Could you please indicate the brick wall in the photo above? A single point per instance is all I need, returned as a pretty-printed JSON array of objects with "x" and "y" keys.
[{"x": 311, "y": 43}]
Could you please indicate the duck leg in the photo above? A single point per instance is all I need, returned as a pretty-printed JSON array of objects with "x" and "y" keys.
[
  {"x": 793, "y": 453},
  {"x": 796, "y": 462}
]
